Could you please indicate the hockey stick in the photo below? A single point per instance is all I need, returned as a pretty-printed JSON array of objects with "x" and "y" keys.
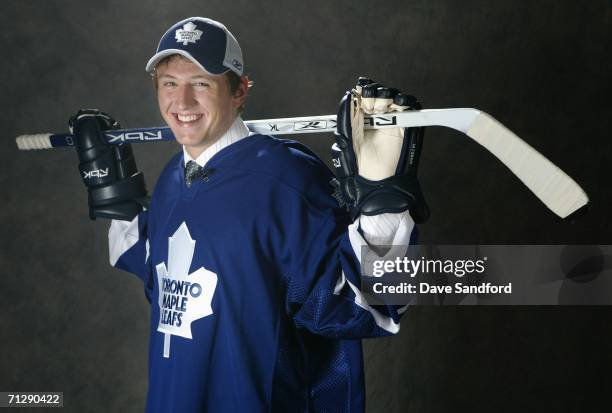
[{"x": 551, "y": 185}]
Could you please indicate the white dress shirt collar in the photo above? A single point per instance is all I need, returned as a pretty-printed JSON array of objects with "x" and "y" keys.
[{"x": 236, "y": 132}]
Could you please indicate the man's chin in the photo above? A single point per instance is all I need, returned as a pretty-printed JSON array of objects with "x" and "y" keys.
[{"x": 187, "y": 139}]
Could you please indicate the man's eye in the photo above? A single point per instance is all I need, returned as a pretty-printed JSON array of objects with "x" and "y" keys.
[
  {"x": 169, "y": 83},
  {"x": 201, "y": 84}
]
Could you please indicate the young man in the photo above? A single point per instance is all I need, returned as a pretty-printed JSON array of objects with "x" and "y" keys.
[{"x": 251, "y": 265}]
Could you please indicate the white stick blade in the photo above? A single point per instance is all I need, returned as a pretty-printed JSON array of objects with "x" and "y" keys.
[{"x": 548, "y": 182}]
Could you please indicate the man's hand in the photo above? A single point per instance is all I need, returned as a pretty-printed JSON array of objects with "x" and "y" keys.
[
  {"x": 116, "y": 188},
  {"x": 377, "y": 168}
]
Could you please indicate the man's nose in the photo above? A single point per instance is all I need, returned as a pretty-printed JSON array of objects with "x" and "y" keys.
[{"x": 185, "y": 98}]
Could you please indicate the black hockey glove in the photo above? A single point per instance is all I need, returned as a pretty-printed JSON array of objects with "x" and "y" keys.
[
  {"x": 377, "y": 168},
  {"x": 116, "y": 189}
]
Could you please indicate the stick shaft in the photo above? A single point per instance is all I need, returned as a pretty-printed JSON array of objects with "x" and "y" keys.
[{"x": 454, "y": 118}]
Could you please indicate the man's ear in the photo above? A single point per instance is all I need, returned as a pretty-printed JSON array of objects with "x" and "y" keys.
[
  {"x": 239, "y": 96},
  {"x": 241, "y": 92}
]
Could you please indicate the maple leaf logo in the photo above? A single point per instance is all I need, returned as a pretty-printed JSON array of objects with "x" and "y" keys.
[
  {"x": 188, "y": 34},
  {"x": 183, "y": 297}
]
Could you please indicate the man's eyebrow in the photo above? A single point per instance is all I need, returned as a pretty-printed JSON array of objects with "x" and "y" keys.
[{"x": 199, "y": 77}]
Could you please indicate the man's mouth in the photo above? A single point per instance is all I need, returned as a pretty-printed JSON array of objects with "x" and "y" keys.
[{"x": 187, "y": 119}]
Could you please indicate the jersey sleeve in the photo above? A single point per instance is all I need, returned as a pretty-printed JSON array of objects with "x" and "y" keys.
[
  {"x": 129, "y": 248},
  {"x": 324, "y": 291},
  {"x": 323, "y": 249}
]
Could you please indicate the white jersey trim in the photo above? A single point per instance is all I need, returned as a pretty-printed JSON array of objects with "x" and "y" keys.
[{"x": 122, "y": 235}]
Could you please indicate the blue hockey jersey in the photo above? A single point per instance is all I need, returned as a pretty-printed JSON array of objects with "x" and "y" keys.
[{"x": 254, "y": 286}]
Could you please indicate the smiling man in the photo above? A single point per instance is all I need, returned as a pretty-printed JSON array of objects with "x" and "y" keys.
[
  {"x": 249, "y": 262},
  {"x": 199, "y": 107}
]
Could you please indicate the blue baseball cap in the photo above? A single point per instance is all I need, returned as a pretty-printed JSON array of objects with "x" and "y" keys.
[{"x": 205, "y": 42}]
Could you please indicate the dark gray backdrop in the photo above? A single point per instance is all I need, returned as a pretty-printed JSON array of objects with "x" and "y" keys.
[{"x": 71, "y": 323}]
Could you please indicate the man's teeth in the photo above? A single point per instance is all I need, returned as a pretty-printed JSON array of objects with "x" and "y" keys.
[{"x": 187, "y": 118}]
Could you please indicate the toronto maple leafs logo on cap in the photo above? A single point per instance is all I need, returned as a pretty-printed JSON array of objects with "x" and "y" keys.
[
  {"x": 188, "y": 34},
  {"x": 206, "y": 42}
]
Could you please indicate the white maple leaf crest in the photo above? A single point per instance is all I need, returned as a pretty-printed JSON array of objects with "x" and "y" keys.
[
  {"x": 183, "y": 297},
  {"x": 188, "y": 34}
]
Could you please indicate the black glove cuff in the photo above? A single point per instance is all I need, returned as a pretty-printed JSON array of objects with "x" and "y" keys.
[
  {"x": 121, "y": 200},
  {"x": 392, "y": 195},
  {"x": 119, "y": 191}
]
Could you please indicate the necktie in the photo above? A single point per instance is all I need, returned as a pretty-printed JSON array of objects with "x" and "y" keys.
[{"x": 192, "y": 171}]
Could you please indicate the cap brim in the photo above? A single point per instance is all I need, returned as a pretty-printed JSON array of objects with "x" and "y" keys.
[{"x": 152, "y": 63}]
